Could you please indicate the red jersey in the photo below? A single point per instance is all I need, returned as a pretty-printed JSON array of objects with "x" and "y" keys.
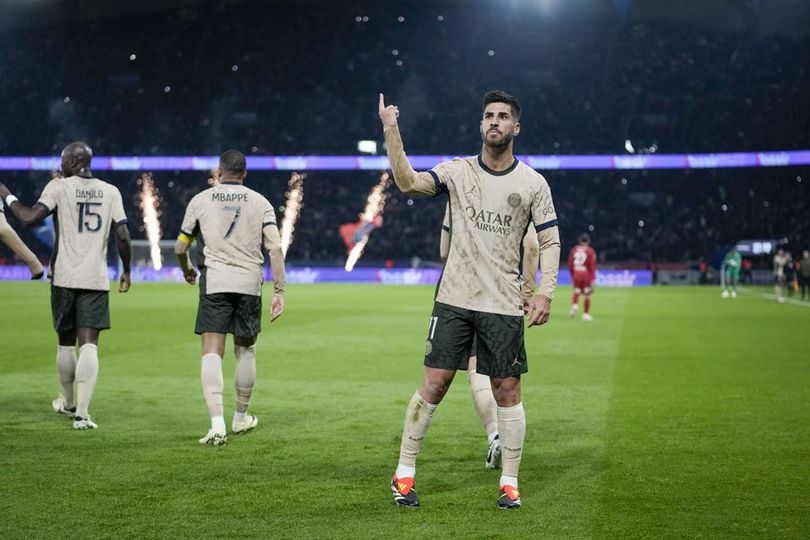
[{"x": 582, "y": 260}]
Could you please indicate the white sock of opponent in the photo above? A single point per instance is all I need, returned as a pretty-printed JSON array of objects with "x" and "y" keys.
[
  {"x": 66, "y": 366},
  {"x": 245, "y": 378},
  {"x": 484, "y": 402},
  {"x": 213, "y": 386},
  {"x": 418, "y": 416},
  {"x": 512, "y": 431},
  {"x": 86, "y": 376}
]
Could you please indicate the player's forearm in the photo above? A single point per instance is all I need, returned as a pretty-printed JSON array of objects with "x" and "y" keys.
[
  {"x": 531, "y": 260},
  {"x": 27, "y": 216},
  {"x": 124, "y": 244},
  {"x": 407, "y": 180},
  {"x": 549, "y": 249},
  {"x": 444, "y": 245},
  {"x": 272, "y": 243},
  {"x": 181, "y": 249},
  {"x": 278, "y": 270},
  {"x": 10, "y": 238}
]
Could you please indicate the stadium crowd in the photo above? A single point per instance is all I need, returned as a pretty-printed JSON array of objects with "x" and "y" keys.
[
  {"x": 651, "y": 216},
  {"x": 195, "y": 81}
]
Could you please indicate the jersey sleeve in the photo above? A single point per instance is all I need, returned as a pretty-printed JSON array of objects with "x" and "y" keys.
[
  {"x": 592, "y": 262},
  {"x": 269, "y": 214},
  {"x": 443, "y": 174},
  {"x": 190, "y": 223},
  {"x": 543, "y": 214},
  {"x": 118, "y": 215},
  {"x": 51, "y": 194}
]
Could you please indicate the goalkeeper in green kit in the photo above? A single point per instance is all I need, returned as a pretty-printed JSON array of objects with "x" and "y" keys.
[{"x": 731, "y": 268}]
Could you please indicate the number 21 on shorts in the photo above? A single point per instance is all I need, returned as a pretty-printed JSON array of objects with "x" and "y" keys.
[{"x": 432, "y": 327}]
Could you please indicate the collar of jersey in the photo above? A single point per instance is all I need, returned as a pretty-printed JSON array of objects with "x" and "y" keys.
[
  {"x": 497, "y": 173},
  {"x": 231, "y": 183}
]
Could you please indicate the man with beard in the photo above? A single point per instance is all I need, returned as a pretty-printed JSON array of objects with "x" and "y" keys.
[{"x": 493, "y": 199}]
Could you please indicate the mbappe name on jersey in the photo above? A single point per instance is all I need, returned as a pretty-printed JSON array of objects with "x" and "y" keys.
[{"x": 229, "y": 197}]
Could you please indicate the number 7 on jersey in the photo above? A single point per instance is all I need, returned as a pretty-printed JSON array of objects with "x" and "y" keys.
[{"x": 237, "y": 212}]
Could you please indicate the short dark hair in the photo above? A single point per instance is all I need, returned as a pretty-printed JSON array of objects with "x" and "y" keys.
[
  {"x": 585, "y": 238},
  {"x": 499, "y": 96},
  {"x": 233, "y": 161}
]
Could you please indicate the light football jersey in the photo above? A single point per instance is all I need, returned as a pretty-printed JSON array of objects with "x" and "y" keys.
[
  {"x": 84, "y": 210},
  {"x": 489, "y": 215},
  {"x": 229, "y": 220}
]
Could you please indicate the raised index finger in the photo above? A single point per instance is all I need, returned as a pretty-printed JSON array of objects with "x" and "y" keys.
[{"x": 382, "y": 102}]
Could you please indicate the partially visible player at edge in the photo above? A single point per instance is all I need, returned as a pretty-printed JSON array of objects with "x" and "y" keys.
[
  {"x": 732, "y": 264},
  {"x": 10, "y": 238},
  {"x": 85, "y": 209},
  {"x": 493, "y": 198},
  {"x": 232, "y": 222},
  {"x": 483, "y": 398},
  {"x": 582, "y": 265},
  {"x": 780, "y": 261}
]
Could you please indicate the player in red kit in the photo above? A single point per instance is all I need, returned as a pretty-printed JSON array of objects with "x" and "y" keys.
[{"x": 582, "y": 264}]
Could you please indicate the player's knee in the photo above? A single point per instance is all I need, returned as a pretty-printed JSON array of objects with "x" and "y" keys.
[
  {"x": 242, "y": 341},
  {"x": 506, "y": 391},
  {"x": 435, "y": 386}
]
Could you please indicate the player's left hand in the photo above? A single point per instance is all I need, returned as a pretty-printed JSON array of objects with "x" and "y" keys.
[
  {"x": 4, "y": 192},
  {"x": 276, "y": 306},
  {"x": 388, "y": 114},
  {"x": 538, "y": 310},
  {"x": 124, "y": 284},
  {"x": 190, "y": 275}
]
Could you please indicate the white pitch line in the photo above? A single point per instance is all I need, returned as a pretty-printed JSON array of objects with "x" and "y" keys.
[{"x": 788, "y": 300}]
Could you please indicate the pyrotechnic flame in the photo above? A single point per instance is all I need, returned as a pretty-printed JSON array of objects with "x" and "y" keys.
[
  {"x": 150, "y": 207},
  {"x": 292, "y": 209},
  {"x": 374, "y": 207}
]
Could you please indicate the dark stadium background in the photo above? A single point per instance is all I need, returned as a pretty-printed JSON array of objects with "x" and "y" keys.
[{"x": 301, "y": 78}]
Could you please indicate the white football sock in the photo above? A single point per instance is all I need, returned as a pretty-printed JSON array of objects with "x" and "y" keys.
[
  {"x": 66, "y": 366},
  {"x": 218, "y": 423},
  {"x": 245, "y": 377},
  {"x": 512, "y": 431},
  {"x": 484, "y": 402},
  {"x": 212, "y": 384},
  {"x": 418, "y": 416},
  {"x": 86, "y": 376}
]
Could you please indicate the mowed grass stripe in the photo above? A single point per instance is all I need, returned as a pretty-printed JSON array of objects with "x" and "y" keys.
[
  {"x": 710, "y": 419},
  {"x": 335, "y": 375}
]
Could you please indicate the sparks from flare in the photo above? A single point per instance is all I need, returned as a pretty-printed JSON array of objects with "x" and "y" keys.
[
  {"x": 374, "y": 207},
  {"x": 292, "y": 209},
  {"x": 150, "y": 208}
]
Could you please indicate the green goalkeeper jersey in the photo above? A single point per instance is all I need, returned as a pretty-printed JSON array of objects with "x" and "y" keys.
[{"x": 733, "y": 261}]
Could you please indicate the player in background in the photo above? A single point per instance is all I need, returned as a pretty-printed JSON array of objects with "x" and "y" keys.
[
  {"x": 582, "y": 265},
  {"x": 86, "y": 210},
  {"x": 493, "y": 200},
  {"x": 804, "y": 274},
  {"x": 10, "y": 238},
  {"x": 780, "y": 260},
  {"x": 481, "y": 388},
  {"x": 732, "y": 264},
  {"x": 232, "y": 222}
]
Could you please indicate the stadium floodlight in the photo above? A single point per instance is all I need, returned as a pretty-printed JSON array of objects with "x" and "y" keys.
[{"x": 367, "y": 147}]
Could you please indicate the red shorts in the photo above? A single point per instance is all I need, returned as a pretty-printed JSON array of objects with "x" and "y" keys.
[{"x": 582, "y": 282}]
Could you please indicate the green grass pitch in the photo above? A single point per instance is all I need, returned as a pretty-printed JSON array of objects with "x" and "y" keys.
[{"x": 674, "y": 414}]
